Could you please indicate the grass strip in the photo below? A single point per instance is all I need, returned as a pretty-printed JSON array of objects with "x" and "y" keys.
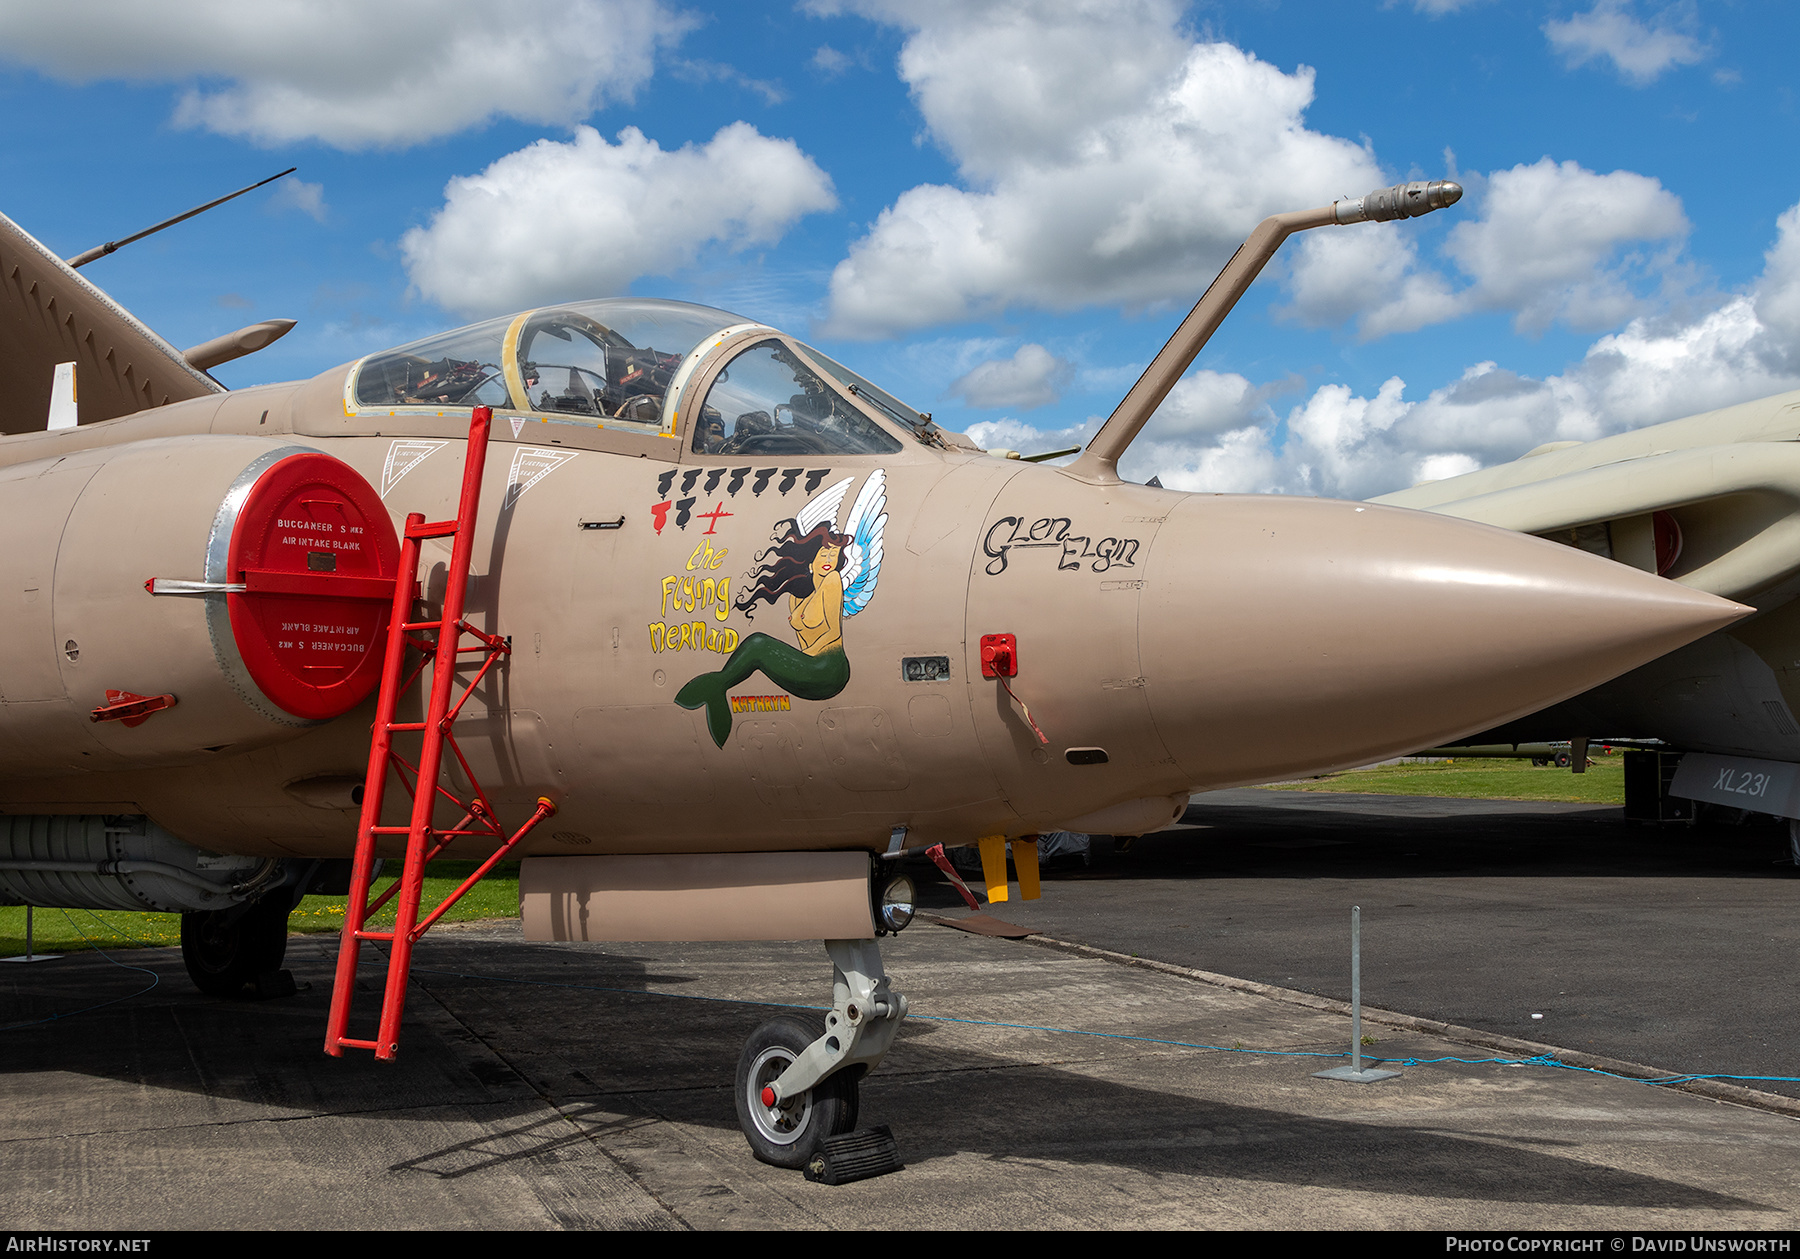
[
  {"x": 1479, "y": 778},
  {"x": 71, "y": 931}
]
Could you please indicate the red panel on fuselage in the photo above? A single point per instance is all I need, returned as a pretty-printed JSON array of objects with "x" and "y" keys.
[{"x": 316, "y": 548}]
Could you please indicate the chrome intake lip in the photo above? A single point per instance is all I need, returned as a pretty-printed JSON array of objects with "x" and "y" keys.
[{"x": 218, "y": 614}]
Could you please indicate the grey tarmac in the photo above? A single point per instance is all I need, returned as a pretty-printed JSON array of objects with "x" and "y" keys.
[
  {"x": 588, "y": 1086},
  {"x": 1668, "y": 946}
]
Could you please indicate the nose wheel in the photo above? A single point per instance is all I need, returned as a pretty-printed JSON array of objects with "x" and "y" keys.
[
  {"x": 787, "y": 1132},
  {"x": 225, "y": 949},
  {"x": 797, "y": 1082}
]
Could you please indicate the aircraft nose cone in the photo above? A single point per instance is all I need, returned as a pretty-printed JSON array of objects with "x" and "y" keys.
[{"x": 1285, "y": 637}]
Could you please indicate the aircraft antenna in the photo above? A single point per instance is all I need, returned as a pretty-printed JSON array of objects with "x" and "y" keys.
[
  {"x": 1099, "y": 464},
  {"x": 112, "y": 246}
]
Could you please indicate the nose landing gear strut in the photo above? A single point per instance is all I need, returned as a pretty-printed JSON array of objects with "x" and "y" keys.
[{"x": 795, "y": 1086}]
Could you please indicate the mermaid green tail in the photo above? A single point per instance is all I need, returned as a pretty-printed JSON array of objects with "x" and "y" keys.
[{"x": 809, "y": 677}]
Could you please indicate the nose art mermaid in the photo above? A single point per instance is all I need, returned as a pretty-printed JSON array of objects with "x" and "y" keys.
[{"x": 827, "y": 576}]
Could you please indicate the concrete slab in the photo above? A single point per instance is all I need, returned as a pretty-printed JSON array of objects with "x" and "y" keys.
[
  {"x": 551, "y": 1086},
  {"x": 1673, "y": 947}
]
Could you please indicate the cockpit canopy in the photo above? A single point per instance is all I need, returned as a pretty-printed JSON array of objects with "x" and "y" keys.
[{"x": 627, "y": 363}]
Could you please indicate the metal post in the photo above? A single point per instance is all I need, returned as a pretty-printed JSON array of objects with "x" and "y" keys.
[
  {"x": 1356, "y": 1073},
  {"x": 31, "y": 954},
  {"x": 1356, "y": 988}
]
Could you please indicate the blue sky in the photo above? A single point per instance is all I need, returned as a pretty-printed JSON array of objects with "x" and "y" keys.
[{"x": 999, "y": 210}]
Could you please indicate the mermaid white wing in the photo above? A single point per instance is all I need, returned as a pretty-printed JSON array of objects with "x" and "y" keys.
[
  {"x": 823, "y": 506},
  {"x": 862, "y": 558}
]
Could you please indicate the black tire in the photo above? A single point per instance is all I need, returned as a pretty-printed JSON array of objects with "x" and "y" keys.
[
  {"x": 788, "y": 1135},
  {"x": 1563, "y": 760},
  {"x": 222, "y": 954}
]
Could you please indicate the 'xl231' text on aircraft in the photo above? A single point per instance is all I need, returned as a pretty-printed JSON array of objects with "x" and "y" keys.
[
  {"x": 741, "y": 626},
  {"x": 1713, "y": 502}
]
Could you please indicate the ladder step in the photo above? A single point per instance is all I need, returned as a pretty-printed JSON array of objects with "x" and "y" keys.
[{"x": 439, "y": 640}]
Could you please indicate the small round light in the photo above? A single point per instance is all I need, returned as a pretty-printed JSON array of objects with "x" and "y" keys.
[{"x": 897, "y": 900}]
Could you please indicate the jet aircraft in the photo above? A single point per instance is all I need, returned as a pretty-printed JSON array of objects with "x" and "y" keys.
[
  {"x": 1711, "y": 501},
  {"x": 749, "y": 628}
]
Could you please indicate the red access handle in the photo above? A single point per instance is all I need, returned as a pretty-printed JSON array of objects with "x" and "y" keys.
[{"x": 999, "y": 656}]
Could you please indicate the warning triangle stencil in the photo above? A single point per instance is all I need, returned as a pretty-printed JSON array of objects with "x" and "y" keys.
[
  {"x": 402, "y": 457},
  {"x": 531, "y": 465}
]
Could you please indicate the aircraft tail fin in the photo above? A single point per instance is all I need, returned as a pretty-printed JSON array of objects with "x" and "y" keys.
[{"x": 50, "y": 315}]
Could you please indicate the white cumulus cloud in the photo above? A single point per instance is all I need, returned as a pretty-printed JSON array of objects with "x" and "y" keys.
[
  {"x": 1211, "y": 433},
  {"x": 297, "y": 194},
  {"x": 1549, "y": 242},
  {"x": 1217, "y": 432},
  {"x": 1546, "y": 241},
  {"x": 1639, "y": 52},
  {"x": 1438, "y": 8},
  {"x": 557, "y": 221},
  {"x": 1032, "y": 377},
  {"x": 1014, "y": 434},
  {"x": 348, "y": 73},
  {"x": 1128, "y": 186},
  {"x": 1370, "y": 272},
  {"x": 829, "y": 62},
  {"x": 1208, "y": 403},
  {"x": 1778, "y": 298}
]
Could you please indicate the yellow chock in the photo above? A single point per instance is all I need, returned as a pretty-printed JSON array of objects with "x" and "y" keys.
[
  {"x": 1025, "y": 861},
  {"x": 993, "y": 866}
]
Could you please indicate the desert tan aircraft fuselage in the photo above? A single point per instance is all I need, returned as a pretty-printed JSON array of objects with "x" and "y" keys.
[
  {"x": 767, "y": 625},
  {"x": 1166, "y": 641}
]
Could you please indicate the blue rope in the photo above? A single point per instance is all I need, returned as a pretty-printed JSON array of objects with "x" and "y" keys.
[
  {"x": 1537, "y": 1060},
  {"x": 155, "y": 979}
]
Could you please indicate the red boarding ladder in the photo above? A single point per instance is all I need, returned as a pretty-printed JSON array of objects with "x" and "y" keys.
[{"x": 439, "y": 642}]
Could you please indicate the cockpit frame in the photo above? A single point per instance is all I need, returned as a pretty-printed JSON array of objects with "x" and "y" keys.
[
  {"x": 588, "y": 401},
  {"x": 712, "y": 366}
]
